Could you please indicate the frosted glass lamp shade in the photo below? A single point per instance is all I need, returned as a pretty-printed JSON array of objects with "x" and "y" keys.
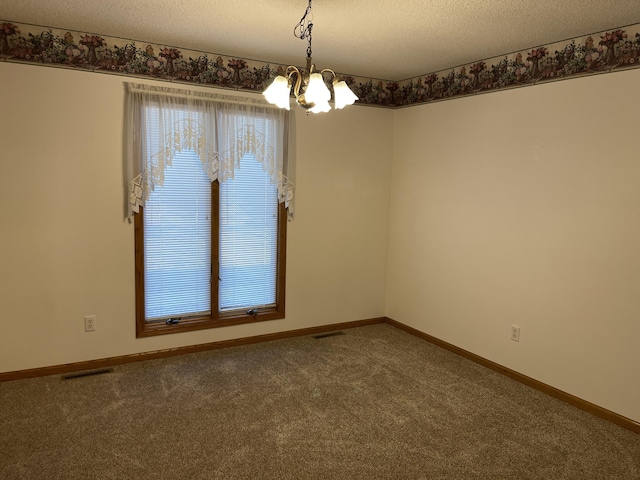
[
  {"x": 317, "y": 92},
  {"x": 278, "y": 92},
  {"x": 343, "y": 95},
  {"x": 320, "y": 107}
]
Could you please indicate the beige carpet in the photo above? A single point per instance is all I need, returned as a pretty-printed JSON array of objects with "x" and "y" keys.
[{"x": 374, "y": 403}]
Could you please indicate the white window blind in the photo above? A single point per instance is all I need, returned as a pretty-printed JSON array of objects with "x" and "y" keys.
[
  {"x": 177, "y": 222},
  {"x": 248, "y": 238},
  {"x": 177, "y": 242}
]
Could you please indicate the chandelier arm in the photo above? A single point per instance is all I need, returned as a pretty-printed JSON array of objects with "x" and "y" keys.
[
  {"x": 296, "y": 86},
  {"x": 291, "y": 69},
  {"x": 328, "y": 70}
]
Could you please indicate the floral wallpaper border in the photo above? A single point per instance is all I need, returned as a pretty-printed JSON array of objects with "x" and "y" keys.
[{"x": 591, "y": 54}]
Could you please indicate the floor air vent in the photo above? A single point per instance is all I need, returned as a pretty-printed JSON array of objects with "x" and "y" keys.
[
  {"x": 325, "y": 335},
  {"x": 89, "y": 373}
]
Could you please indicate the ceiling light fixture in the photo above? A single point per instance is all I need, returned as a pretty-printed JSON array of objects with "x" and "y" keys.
[{"x": 309, "y": 88}]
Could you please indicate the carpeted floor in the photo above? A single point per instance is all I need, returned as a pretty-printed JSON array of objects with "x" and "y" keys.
[{"x": 374, "y": 403}]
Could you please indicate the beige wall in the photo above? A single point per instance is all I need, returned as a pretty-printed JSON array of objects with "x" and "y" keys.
[
  {"x": 517, "y": 207},
  {"x": 523, "y": 207},
  {"x": 66, "y": 250}
]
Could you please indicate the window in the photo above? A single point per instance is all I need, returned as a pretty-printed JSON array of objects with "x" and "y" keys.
[
  {"x": 208, "y": 253},
  {"x": 176, "y": 241}
]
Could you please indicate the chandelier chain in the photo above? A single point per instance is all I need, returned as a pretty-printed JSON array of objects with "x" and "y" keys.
[{"x": 304, "y": 27}]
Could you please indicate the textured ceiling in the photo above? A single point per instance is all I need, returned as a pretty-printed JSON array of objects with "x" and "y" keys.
[{"x": 387, "y": 39}]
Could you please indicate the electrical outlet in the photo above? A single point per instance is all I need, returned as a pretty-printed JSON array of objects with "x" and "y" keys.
[
  {"x": 90, "y": 323},
  {"x": 515, "y": 333}
]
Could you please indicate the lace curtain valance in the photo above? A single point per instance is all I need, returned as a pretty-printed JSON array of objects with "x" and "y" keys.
[{"x": 161, "y": 122}]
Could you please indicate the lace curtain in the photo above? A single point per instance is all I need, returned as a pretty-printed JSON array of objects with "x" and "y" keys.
[{"x": 220, "y": 129}]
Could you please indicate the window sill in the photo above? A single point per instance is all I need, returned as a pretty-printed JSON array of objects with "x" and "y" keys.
[{"x": 151, "y": 329}]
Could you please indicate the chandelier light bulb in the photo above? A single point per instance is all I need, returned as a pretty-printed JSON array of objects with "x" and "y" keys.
[
  {"x": 320, "y": 107},
  {"x": 278, "y": 92},
  {"x": 343, "y": 95},
  {"x": 317, "y": 92}
]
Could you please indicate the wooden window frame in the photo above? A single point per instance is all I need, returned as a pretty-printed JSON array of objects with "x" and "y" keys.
[{"x": 216, "y": 318}]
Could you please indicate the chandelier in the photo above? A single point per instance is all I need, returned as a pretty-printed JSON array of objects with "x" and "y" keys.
[{"x": 309, "y": 87}]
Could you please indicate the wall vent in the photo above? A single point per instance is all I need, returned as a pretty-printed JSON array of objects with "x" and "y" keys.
[
  {"x": 325, "y": 335},
  {"x": 89, "y": 373}
]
